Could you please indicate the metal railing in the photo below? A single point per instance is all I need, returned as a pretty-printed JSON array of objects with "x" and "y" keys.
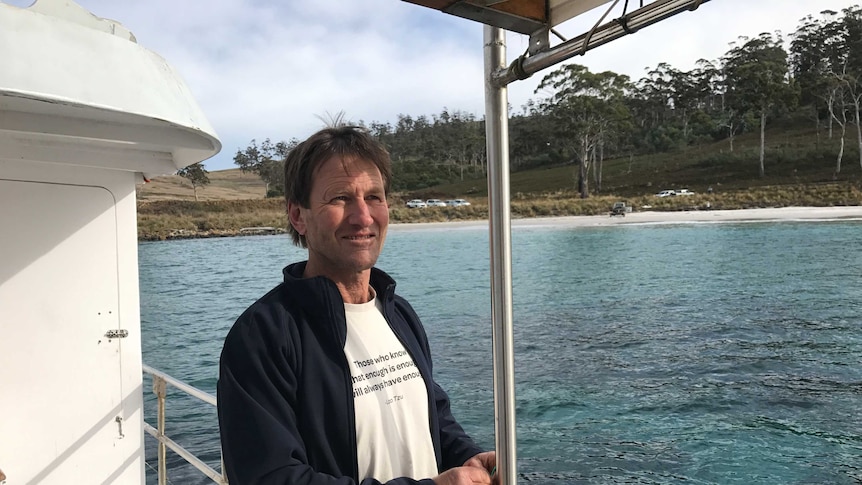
[{"x": 160, "y": 385}]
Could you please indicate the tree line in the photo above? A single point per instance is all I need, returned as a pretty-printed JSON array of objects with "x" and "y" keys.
[{"x": 582, "y": 118}]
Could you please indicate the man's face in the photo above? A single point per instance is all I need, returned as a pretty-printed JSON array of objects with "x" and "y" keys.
[{"x": 345, "y": 223}]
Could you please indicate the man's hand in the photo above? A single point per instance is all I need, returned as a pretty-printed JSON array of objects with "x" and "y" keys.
[
  {"x": 463, "y": 475},
  {"x": 486, "y": 461}
]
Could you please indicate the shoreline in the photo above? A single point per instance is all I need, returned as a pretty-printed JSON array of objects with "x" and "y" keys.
[
  {"x": 785, "y": 214},
  {"x": 835, "y": 213}
]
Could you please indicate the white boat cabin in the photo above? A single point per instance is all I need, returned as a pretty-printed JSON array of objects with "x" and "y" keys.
[{"x": 85, "y": 114}]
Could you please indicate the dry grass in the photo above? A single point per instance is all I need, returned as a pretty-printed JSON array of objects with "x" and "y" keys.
[
  {"x": 166, "y": 219},
  {"x": 224, "y": 185}
]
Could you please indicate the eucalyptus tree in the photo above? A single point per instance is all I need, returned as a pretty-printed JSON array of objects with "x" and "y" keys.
[
  {"x": 585, "y": 108},
  {"x": 814, "y": 50},
  {"x": 707, "y": 118},
  {"x": 422, "y": 131},
  {"x": 381, "y": 131},
  {"x": 680, "y": 95},
  {"x": 664, "y": 104},
  {"x": 458, "y": 140},
  {"x": 709, "y": 86},
  {"x": 756, "y": 81},
  {"x": 427, "y": 151},
  {"x": 196, "y": 174},
  {"x": 838, "y": 103},
  {"x": 402, "y": 138},
  {"x": 641, "y": 112},
  {"x": 847, "y": 68},
  {"x": 649, "y": 105},
  {"x": 686, "y": 99},
  {"x": 720, "y": 118},
  {"x": 472, "y": 149},
  {"x": 656, "y": 89},
  {"x": 532, "y": 141},
  {"x": 267, "y": 161},
  {"x": 819, "y": 62},
  {"x": 827, "y": 63}
]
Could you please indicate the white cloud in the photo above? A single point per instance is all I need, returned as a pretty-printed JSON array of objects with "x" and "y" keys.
[{"x": 267, "y": 68}]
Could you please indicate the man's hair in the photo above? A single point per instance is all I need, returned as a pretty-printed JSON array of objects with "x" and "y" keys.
[{"x": 303, "y": 162}]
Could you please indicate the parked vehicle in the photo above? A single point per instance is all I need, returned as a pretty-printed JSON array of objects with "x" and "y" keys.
[
  {"x": 666, "y": 193},
  {"x": 619, "y": 209},
  {"x": 415, "y": 204},
  {"x": 684, "y": 192},
  {"x": 435, "y": 203},
  {"x": 457, "y": 202}
]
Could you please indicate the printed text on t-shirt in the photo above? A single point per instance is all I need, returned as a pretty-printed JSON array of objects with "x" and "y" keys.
[{"x": 374, "y": 374}]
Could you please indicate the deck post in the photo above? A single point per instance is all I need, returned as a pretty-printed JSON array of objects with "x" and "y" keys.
[
  {"x": 497, "y": 136},
  {"x": 160, "y": 390}
]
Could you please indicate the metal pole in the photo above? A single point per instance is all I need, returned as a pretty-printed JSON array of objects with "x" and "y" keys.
[
  {"x": 497, "y": 135},
  {"x": 160, "y": 390}
]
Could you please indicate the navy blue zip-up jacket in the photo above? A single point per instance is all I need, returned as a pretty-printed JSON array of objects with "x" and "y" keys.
[{"x": 285, "y": 395}]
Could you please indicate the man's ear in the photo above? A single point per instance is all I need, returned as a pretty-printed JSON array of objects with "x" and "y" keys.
[{"x": 294, "y": 215}]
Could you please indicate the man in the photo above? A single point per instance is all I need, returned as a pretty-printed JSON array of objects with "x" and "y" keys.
[{"x": 328, "y": 377}]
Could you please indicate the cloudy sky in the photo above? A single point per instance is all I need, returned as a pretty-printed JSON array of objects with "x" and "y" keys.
[{"x": 271, "y": 68}]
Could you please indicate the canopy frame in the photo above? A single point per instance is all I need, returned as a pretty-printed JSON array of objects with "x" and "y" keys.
[{"x": 541, "y": 55}]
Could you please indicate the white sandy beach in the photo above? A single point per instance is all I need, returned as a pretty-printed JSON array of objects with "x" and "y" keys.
[{"x": 650, "y": 217}]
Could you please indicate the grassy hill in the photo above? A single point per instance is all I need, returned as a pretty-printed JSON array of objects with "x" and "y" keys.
[
  {"x": 799, "y": 165},
  {"x": 793, "y": 156},
  {"x": 224, "y": 185}
]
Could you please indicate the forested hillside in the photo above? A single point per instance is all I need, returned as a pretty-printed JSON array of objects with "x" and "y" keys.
[{"x": 804, "y": 90}]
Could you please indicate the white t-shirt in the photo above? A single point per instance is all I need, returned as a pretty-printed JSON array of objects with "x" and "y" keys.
[{"x": 389, "y": 396}]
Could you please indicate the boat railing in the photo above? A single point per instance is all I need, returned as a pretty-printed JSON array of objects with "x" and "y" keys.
[{"x": 160, "y": 384}]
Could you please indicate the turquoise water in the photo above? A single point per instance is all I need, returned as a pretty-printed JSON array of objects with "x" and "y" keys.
[{"x": 695, "y": 353}]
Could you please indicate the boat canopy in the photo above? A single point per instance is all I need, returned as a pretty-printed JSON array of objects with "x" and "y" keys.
[
  {"x": 537, "y": 18},
  {"x": 74, "y": 84},
  {"x": 522, "y": 16}
]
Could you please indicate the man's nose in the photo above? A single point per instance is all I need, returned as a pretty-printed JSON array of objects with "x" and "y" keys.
[{"x": 360, "y": 213}]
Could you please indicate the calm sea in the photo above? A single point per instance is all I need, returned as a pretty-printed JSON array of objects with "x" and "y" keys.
[{"x": 694, "y": 353}]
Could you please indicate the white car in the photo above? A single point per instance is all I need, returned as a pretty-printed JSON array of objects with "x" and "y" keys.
[
  {"x": 415, "y": 204},
  {"x": 684, "y": 192},
  {"x": 460, "y": 202},
  {"x": 435, "y": 203},
  {"x": 666, "y": 193}
]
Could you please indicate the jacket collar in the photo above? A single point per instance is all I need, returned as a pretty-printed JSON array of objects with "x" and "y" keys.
[
  {"x": 382, "y": 283},
  {"x": 318, "y": 296}
]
